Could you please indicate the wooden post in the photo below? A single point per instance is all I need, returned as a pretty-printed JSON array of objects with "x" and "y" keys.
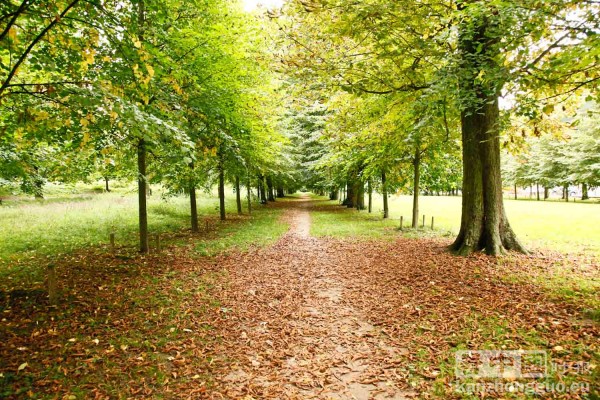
[
  {"x": 52, "y": 285},
  {"x": 431, "y": 223},
  {"x": 423, "y": 220},
  {"x": 157, "y": 237},
  {"x": 112, "y": 243},
  {"x": 401, "y": 223}
]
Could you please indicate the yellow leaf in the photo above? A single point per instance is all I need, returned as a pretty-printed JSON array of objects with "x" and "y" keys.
[
  {"x": 150, "y": 70},
  {"x": 22, "y": 367},
  {"x": 86, "y": 138},
  {"x": 136, "y": 43},
  {"x": 84, "y": 122},
  {"x": 12, "y": 34}
]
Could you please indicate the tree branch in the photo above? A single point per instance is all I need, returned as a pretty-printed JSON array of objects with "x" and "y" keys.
[{"x": 35, "y": 41}]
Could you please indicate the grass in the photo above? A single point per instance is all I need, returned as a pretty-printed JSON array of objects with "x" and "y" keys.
[
  {"x": 566, "y": 227},
  {"x": 264, "y": 228},
  {"x": 73, "y": 219}
]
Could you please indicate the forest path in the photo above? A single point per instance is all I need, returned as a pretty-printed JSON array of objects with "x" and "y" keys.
[{"x": 289, "y": 333}]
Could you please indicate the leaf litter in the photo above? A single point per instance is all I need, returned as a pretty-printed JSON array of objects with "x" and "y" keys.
[{"x": 304, "y": 318}]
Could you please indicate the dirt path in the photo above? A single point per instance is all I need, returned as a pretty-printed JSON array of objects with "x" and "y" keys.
[{"x": 290, "y": 330}]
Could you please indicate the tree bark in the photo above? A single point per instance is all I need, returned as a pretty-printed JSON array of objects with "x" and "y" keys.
[
  {"x": 370, "y": 191},
  {"x": 221, "y": 191},
  {"x": 484, "y": 224},
  {"x": 350, "y": 195},
  {"x": 584, "y": 191},
  {"x": 566, "y": 192},
  {"x": 270, "y": 189},
  {"x": 360, "y": 195},
  {"x": 142, "y": 189},
  {"x": 384, "y": 193},
  {"x": 261, "y": 186},
  {"x": 537, "y": 191},
  {"x": 106, "y": 187},
  {"x": 280, "y": 191},
  {"x": 515, "y": 191},
  {"x": 416, "y": 188},
  {"x": 546, "y": 192},
  {"x": 238, "y": 195}
]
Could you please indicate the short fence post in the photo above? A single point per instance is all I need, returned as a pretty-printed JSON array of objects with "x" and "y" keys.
[
  {"x": 402, "y": 223},
  {"x": 157, "y": 242},
  {"x": 431, "y": 223},
  {"x": 423, "y": 220}
]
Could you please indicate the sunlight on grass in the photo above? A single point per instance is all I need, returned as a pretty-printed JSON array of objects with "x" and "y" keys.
[
  {"x": 566, "y": 227},
  {"x": 53, "y": 227}
]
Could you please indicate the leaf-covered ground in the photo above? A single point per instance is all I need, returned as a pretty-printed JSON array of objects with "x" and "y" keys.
[{"x": 304, "y": 318}]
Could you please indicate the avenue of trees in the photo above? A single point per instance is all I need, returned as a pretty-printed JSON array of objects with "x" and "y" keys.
[
  {"x": 344, "y": 98},
  {"x": 411, "y": 87},
  {"x": 159, "y": 91}
]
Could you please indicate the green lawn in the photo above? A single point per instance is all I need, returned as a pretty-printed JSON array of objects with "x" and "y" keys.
[{"x": 552, "y": 225}]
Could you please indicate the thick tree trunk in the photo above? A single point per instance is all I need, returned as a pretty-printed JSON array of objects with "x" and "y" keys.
[
  {"x": 142, "y": 206},
  {"x": 483, "y": 223},
  {"x": 333, "y": 195},
  {"x": 566, "y": 192},
  {"x": 350, "y": 195},
  {"x": 360, "y": 195},
  {"x": 537, "y": 191},
  {"x": 584, "y": 191},
  {"x": 221, "y": 191},
  {"x": 384, "y": 193},
  {"x": 515, "y": 191},
  {"x": 106, "y": 187},
  {"x": 546, "y": 192},
  {"x": 416, "y": 188},
  {"x": 270, "y": 189},
  {"x": 370, "y": 191},
  {"x": 238, "y": 195},
  {"x": 280, "y": 191}
]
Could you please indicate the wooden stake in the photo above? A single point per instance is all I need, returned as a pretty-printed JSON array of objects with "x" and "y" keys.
[
  {"x": 52, "y": 285},
  {"x": 431, "y": 223},
  {"x": 402, "y": 223},
  {"x": 158, "y": 242},
  {"x": 423, "y": 220}
]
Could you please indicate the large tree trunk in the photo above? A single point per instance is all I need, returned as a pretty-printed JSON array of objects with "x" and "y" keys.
[
  {"x": 106, "y": 187},
  {"x": 238, "y": 195},
  {"x": 360, "y": 195},
  {"x": 263, "y": 192},
  {"x": 221, "y": 191},
  {"x": 483, "y": 223},
  {"x": 515, "y": 187},
  {"x": 370, "y": 192},
  {"x": 584, "y": 191},
  {"x": 537, "y": 191},
  {"x": 270, "y": 189},
  {"x": 350, "y": 195},
  {"x": 280, "y": 191},
  {"x": 142, "y": 206},
  {"x": 384, "y": 193},
  {"x": 546, "y": 192},
  {"x": 416, "y": 188},
  {"x": 566, "y": 192}
]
